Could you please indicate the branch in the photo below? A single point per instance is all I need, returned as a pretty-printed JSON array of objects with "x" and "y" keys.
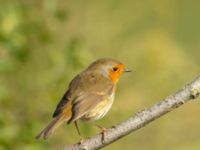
[{"x": 142, "y": 118}]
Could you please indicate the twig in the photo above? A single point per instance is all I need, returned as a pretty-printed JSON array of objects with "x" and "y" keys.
[{"x": 142, "y": 118}]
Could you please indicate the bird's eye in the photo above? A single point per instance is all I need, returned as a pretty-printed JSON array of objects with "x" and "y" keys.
[{"x": 115, "y": 69}]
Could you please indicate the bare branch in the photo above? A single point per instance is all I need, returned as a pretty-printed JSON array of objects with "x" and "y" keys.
[{"x": 142, "y": 118}]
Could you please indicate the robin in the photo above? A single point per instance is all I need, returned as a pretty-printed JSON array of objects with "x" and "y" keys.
[{"x": 89, "y": 97}]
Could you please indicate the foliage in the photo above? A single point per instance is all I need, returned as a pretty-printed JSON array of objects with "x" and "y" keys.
[{"x": 43, "y": 44}]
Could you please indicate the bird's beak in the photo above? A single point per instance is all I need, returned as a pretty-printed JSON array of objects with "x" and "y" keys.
[{"x": 127, "y": 70}]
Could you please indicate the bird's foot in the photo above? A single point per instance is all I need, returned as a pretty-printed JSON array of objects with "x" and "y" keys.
[
  {"x": 103, "y": 131},
  {"x": 82, "y": 139}
]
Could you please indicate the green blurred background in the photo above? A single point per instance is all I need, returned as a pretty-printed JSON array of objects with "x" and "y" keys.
[{"x": 44, "y": 43}]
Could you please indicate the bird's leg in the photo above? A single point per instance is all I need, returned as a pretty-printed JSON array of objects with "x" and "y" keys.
[
  {"x": 79, "y": 133},
  {"x": 103, "y": 131}
]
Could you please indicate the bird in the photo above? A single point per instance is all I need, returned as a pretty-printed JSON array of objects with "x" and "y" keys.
[{"x": 89, "y": 97}]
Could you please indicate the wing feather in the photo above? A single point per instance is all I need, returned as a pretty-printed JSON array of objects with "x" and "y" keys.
[
  {"x": 85, "y": 92},
  {"x": 65, "y": 100},
  {"x": 93, "y": 93}
]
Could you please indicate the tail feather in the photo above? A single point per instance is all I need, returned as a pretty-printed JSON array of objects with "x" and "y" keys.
[{"x": 46, "y": 132}]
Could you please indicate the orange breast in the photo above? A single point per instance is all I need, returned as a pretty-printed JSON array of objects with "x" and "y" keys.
[{"x": 114, "y": 77}]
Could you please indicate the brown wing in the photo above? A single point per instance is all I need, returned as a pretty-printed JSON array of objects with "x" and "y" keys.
[
  {"x": 95, "y": 88},
  {"x": 67, "y": 96},
  {"x": 83, "y": 94}
]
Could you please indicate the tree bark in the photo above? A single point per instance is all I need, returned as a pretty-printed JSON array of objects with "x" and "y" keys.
[{"x": 189, "y": 92}]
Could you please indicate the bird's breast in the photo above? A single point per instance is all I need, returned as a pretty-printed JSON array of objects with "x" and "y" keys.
[{"x": 100, "y": 110}]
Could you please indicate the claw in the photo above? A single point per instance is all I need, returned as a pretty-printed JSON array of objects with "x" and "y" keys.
[
  {"x": 103, "y": 131},
  {"x": 81, "y": 140}
]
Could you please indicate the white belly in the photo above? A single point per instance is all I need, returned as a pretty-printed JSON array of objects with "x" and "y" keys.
[{"x": 100, "y": 110}]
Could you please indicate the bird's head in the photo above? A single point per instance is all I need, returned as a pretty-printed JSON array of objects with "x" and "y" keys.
[{"x": 110, "y": 68}]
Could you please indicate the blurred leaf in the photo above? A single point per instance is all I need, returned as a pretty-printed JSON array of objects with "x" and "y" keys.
[
  {"x": 44, "y": 44},
  {"x": 61, "y": 15}
]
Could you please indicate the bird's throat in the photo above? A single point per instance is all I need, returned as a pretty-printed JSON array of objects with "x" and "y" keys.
[{"x": 114, "y": 77}]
